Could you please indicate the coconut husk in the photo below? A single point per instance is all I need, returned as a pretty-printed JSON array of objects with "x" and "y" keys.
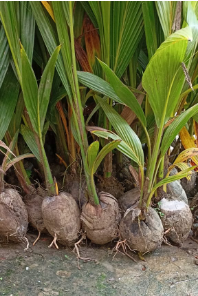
[
  {"x": 129, "y": 199},
  {"x": 101, "y": 226},
  {"x": 61, "y": 217},
  {"x": 77, "y": 187},
  {"x": 142, "y": 235},
  {"x": 177, "y": 219},
  {"x": 176, "y": 191},
  {"x": 13, "y": 216},
  {"x": 33, "y": 205},
  {"x": 190, "y": 185}
]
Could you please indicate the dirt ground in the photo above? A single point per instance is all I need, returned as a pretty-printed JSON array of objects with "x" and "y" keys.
[{"x": 42, "y": 271}]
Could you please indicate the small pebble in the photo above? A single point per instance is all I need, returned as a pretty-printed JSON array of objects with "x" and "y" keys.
[
  {"x": 173, "y": 259},
  {"x": 27, "y": 268},
  {"x": 63, "y": 273}
]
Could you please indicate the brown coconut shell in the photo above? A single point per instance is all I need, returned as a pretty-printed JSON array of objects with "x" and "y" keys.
[
  {"x": 77, "y": 188},
  {"x": 177, "y": 219},
  {"x": 101, "y": 226},
  {"x": 61, "y": 217},
  {"x": 142, "y": 235},
  {"x": 13, "y": 216},
  {"x": 33, "y": 205}
]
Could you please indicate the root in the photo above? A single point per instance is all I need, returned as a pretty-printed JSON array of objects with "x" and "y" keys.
[
  {"x": 77, "y": 250},
  {"x": 165, "y": 239},
  {"x": 27, "y": 246},
  {"x": 38, "y": 237},
  {"x": 54, "y": 242},
  {"x": 194, "y": 239},
  {"x": 123, "y": 244}
]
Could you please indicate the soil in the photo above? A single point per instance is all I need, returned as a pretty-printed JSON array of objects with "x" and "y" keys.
[{"x": 42, "y": 271}]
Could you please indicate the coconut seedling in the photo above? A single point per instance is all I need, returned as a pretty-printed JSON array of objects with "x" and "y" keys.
[
  {"x": 55, "y": 207},
  {"x": 163, "y": 81},
  {"x": 13, "y": 213},
  {"x": 33, "y": 198},
  {"x": 67, "y": 70},
  {"x": 36, "y": 98},
  {"x": 100, "y": 224}
]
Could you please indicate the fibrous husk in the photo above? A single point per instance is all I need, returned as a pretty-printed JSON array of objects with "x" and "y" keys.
[
  {"x": 176, "y": 219},
  {"x": 33, "y": 203},
  {"x": 142, "y": 235},
  {"x": 61, "y": 217},
  {"x": 13, "y": 216},
  {"x": 190, "y": 185},
  {"x": 194, "y": 209},
  {"x": 101, "y": 226},
  {"x": 123, "y": 173},
  {"x": 129, "y": 199},
  {"x": 176, "y": 191},
  {"x": 77, "y": 187}
]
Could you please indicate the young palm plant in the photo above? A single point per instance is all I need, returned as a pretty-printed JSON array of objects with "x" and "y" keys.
[
  {"x": 163, "y": 81},
  {"x": 66, "y": 67}
]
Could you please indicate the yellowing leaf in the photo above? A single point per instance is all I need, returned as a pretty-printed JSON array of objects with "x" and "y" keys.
[
  {"x": 188, "y": 142},
  {"x": 182, "y": 166},
  {"x": 49, "y": 9},
  {"x": 92, "y": 41},
  {"x": 186, "y": 154},
  {"x": 186, "y": 139},
  {"x": 195, "y": 124}
]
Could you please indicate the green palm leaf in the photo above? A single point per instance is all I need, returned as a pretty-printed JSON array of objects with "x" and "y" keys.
[
  {"x": 37, "y": 100},
  {"x": 50, "y": 38},
  {"x": 123, "y": 130},
  {"x": 98, "y": 85},
  {"x": 11, "y": 26},
  {"x": 29, "y": 138},
  {"x": 123, "y": 147},
  {"x": 166, "y": 13},
  {"x": 124, "y": 94},
  {"x": 150, "y": 27},
  {"x": 4, "y": 55},
  {"x": 164, "y": 78},
  {"x": 92, "y": 153},
  {"x": 126, "y": 32},
  {"x": 105, "y": 150},
  {"x": 9, "y": 93},
  {"x": 27, "y": 28}
]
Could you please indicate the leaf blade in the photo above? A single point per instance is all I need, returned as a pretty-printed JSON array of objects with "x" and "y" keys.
[
  {"x": 124, "y": 94},
  {"x": 103, "y": 152},
  {"x": 46, "y": 86},
  {"x": 164, "y": 90}
]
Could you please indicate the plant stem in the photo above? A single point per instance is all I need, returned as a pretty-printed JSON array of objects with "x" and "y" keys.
[
  {"x": 79, "y": 118},
  {"x": 141, "y": 185},
  {"x": 93, "y": 189},
  {"x": 47, "y": 172},
  {"x": 152, "y": 167},
  {"x": 161, "y": 168}
]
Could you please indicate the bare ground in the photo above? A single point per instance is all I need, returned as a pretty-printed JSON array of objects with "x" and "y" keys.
[{"x": 42, "y": 271}]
